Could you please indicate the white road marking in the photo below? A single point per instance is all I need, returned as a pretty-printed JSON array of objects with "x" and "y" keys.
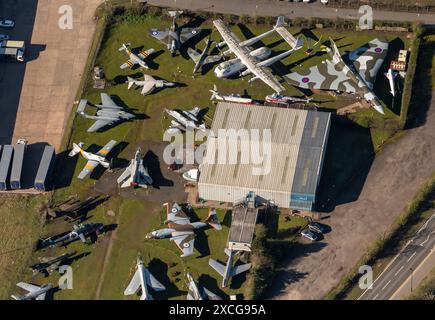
[
  {"x": 398, "y": 271},
  {"x": 374, "y": 298},
  {"x": 386, "y": 284},
  {"x": 412, "y": 256},
  {"x": 422, "y": 244}
]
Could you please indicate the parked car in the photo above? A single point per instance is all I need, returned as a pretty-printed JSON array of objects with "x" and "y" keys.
[
  {"x": 7, "y": 23},
  {"x": 309, "y": 235},
  {"x": 4, "y": 37},
  {"x": 317, "y": 227}
]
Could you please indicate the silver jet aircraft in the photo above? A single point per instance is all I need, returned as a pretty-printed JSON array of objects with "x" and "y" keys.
[
  {"x": 80, "y": 231},
  {"x": 142, "y": 278},
  {"x": 136, "y": 175},
  {"x": 148, "y": 84},
  {"x": 197, "y": 293},
  {"x": 228, "y": 271},
  {"x": 108, "y": 113},
  {"x": 254, "y": 62},
  {"x": 93, "y": 159},
  {"x": 135, "y": 59},
  {"x": 354, "y": 72},
  {"x": 185, "y": 120},
  {"x": 202, "y": 59},
  {"x": 175, "y": 36},
  {"x": 34, "y": 292},
  {"x": 181, "y": 230}
]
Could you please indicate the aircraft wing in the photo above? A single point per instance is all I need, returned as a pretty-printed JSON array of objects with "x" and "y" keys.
[
  {"x": 185, "y": 241},
  {"x": 144, "y": 54},
  {"x": 124, "y": 177},
  {"x": 240, "y": 269},
  {"x": 82, "y": 237},
  {"x": 323, "y": 76},
  {"x": 41, "y": 296},
  {"x": 211, "y": 295},
  {"x": 187, "y": 33},
  {"x": 129, "y": 64},
  {"x": 153, "y": 282},
  {"x": 148, "y": 86},
  {"x": 107, "y": 148},
  {"x": 161, "y": 35},
  {"x": 191, "y": 292},
  {"x": 100, "y": 124},
  {"x": 194, "y": 55},
  {"x": 87, "y": 170},
  {"x": 243, "y": 54},
  {"x": 368, "y": 59},
  {"x": 28, "y": 287},
  {"x": 176, "y": 214},
  {"x": 212, "y": 59},
  {"x": 219, "y": 267},
  {"x": 134, "y": 284},
  {"x": 107, "y": 102}
]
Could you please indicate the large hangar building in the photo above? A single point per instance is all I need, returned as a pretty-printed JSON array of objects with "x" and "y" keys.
[{"x": 298, "y": 140}]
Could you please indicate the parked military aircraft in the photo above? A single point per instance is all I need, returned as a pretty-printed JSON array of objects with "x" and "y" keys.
[
  {"x": 108, "y": 113},
  {"x": 134, "y": 59},
  {"x": 391, "y": 75},
  {"x": 48, "y": 265},
  {"x": 93, "y": 159},
  {"x": 199, "y": 293},
  {"x": 276, "y": 98},
  {"x": 237, "y": 98},
  {"x": 354, "y": 72},
  {"x": 80, "y": 231},
  {"x": 142, "y": 278},
  {"x": 202, "y": 59},
  {"x": 149, "y": 84},
  {"x": 253, "y": 61},
  {"x": 34, "y": 292},
  {"x": 184, "y": 120},
  {"x": 135, "y": 175},
  {"x": 175, "y": 36},
  {"x": 228, "y": 271},
  {"x": 181, "y": 230}
]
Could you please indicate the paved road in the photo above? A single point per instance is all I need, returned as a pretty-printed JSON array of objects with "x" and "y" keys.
[
  {"x": 37, "y": 97},
  {"x": 290, "y": 10},
  {"x": 405, "y": 264}
]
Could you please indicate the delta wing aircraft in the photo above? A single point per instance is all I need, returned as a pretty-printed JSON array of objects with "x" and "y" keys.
[
  {"x": 181, "y": 230},
  {"x": 184, "y": 120},
  {"x": 354, "y": 72},
  {"x": 135, "y": 59},
  {"x": 199, "y": 293},
  {"x": 142, "y": 278},
  {"x": 93, "y": 159},
  {"x": 136, "y": 175},
  {"x": 34, "y": 292},
  {"x": 228, "y": 271},
  {"x": 148, "y": 84},
  {"x": 253, "y": 61},
  {"x": 202, "y": 59},
  {"x": 108, "y": 113},
  {"x": 174, "y": 37}
]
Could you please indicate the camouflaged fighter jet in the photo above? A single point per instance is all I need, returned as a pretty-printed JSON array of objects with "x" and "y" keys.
[
  {"x": 47, "y": 266},
  {"x": 34, "y": 292},
  {"x": 108, "y": 113},
  {"x": 134, "y": 59},
  {"x": 202, "y": 59},
  {"x": 181, "y": 230},
  {"x": 175, "y": 36},
  {"x": 354, "y": 72}
]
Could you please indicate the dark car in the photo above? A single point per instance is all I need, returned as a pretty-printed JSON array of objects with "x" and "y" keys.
[{"x": 317, "y": 227}]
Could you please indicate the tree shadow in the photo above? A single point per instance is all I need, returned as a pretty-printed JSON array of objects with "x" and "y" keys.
[{"x": 159, "y": 269}]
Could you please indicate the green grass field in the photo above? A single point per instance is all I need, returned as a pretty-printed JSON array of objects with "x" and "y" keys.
[{"x": 106, "y": 270}]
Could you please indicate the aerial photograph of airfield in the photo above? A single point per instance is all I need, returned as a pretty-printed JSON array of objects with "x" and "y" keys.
[{"x": 217, "y": 150}]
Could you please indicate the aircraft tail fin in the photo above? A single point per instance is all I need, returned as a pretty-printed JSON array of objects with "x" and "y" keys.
[
  {"x": 77, "y": 148},
  {"x": 213, "y": 220},
  {"x": 334, "y": 51},
  {"x": 240, "y": 269},
  {"x": 130, "y": 82},
  {"x": 214, "y": 92},
  {"x": 280, "y": 22},
  {"x": 124, "y": 47}
]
